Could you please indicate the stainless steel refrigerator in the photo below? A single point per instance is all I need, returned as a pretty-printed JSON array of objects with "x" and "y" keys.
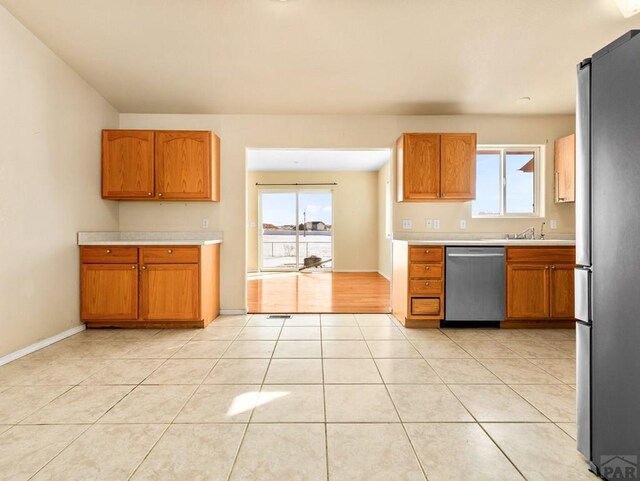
[{"x": 608, "y": 258}]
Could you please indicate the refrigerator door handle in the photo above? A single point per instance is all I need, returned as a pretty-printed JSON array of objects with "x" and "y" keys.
[
  {"x": 582, "y": 289},
  {"x": 583, "y": 165}
]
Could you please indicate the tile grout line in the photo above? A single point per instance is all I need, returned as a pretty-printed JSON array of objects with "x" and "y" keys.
[
  {"x": 404, "y": 429},
  {"x": 244, "y": 433},
  {"x": 324, "y": 404}
]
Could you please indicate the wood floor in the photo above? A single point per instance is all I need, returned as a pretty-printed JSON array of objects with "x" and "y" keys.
[{"x": 323, "y": 292}]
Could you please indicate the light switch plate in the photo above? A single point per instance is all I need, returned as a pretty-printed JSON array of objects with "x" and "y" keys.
[
  {"x": 436, "y": 224},
  {"x": 428, "y": 223},
  {"x": 205, "y": 223},
  {"x": 407, "y": 224},
  {"x": 463, "y": 224},
  {"x": 554, "y": 223}
]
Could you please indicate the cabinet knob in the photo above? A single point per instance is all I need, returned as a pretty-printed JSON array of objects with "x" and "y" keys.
[
  {"x": 553, "y": 267},
  {"x": 133, "y": 267},
  {"x": 149, "y": 194},
  {"x": 427, "y": 251},
  {"x": 144, "y": 268},
  {"x": 160, "y": 194},
  {"x": 108, "y": 251},
  {"x": 426, "y": 268},
  {"x": 169, "y": 251},
  {"x": 426, "y": 283}
]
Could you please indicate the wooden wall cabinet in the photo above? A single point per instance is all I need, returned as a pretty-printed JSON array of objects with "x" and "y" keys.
[
  {"x": 150, "y": 286},
  {"x": 436, "y": 167},
  {"x": 540, "y": 286},
  {"x": 565, "y": 169},
  {"x": 160, "y": 165},
  {"x": 418, "y": 285}
]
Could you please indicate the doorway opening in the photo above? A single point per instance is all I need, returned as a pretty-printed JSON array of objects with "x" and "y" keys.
[
  {"x": 296, "y": 230},
  {"x": 318, "y": 230}
]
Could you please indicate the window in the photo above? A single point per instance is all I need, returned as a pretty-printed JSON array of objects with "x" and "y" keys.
[{"x": 506, "y": 182}]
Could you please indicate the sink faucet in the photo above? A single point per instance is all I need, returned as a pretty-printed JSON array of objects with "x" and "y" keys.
[
  {"x": 542, "y": 231},
  {"x": 523, "y": 234}
]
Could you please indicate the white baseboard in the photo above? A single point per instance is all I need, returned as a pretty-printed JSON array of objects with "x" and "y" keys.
[
  {"x": 232, "y": 312},
  {"x": 355, "y": 270},
  {"x": 41, "y": 344},
  {"x": 385, "y": 276}
]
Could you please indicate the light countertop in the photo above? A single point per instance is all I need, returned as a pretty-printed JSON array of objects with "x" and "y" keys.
[
  {"x": 132, "y": 238},
  {"x": 481, "y": 240}
]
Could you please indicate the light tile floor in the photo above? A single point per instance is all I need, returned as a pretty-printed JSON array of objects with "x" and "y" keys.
[{"x": 338, "y": 397}]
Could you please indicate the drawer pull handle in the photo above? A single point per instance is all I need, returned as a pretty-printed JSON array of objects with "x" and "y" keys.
[
  {"x": 108, "y": 251},
  {"x": 170, "y": 251},
  {"x": 426, "y": 283}
]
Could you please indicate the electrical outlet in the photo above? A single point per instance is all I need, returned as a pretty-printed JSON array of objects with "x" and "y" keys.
[
  {"x": 463, "y": 224},
  {"x": 428, "y": 223},
  {"x": 554, "y": 224},
  {"x": 407, "y": 224},
  {"x": 436, "y": 224},
  {"x": 205, "y": 223}
]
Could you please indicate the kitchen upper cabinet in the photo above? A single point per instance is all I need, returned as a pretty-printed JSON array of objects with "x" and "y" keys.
[
  {"x": 127, "y": 164},
  {"x": 565, "y": 169},
  {"x": 184, "y": 166},
  {"x": 421, "y": 166},
  {"x": 160, "y": 165},
  {"x": 109, "y": 291},
  {"x": 436, "y": 167},
  {"x": 458, "y": 166},
  {"x": 527, "y": 291}
]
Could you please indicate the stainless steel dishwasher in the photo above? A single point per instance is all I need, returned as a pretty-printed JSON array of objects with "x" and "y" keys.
[{"x": 475, "y": 284}]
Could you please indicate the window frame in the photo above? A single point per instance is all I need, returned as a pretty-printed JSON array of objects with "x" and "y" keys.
[{"x": 538, "y": 193}]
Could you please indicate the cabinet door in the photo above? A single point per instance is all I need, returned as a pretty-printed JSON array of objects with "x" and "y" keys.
[
  {"x": 183, "y": 165},
  {"x": 169, "y": 292},
  {"x": 127, "y": 164},
  {"x": 527, "y": 291},
  {"x": 421, "y": 166},
  {"x": 109, "y": 291},
  {"x": 561, "y": 291},
  {"x": 565, "y": 169},
  {"x": 458, "y": 166}
]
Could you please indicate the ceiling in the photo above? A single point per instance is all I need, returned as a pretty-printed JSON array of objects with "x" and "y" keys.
[
  {"x": 316, "y": 160},
  {"x": 327, "y": 56}
]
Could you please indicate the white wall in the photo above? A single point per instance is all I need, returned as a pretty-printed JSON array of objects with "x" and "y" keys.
[
  {"x": 384, "y": 242},
  {"x": 239, "y": 132},
  {"x": 50, "y": 122},
  {"x": 355, "y": 215}
]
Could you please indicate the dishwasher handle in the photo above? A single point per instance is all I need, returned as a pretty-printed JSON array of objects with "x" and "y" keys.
[{"x": 496, "y": 254}]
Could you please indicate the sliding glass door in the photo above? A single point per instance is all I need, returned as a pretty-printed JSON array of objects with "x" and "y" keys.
[{"x": 296, "y": 230}]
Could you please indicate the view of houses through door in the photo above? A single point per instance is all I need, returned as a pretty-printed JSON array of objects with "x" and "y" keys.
[{"x": 295, "y": 230}]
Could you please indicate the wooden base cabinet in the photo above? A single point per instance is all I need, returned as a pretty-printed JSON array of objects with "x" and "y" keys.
[
  {"x": 418, "y": 285},
  {"x": 540, "y": 287},
  {"x": 158, "y": 286}
]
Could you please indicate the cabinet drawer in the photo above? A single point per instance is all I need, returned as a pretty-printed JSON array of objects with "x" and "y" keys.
[
  {"x": 560, "y": 255},
  {"x": 425, "y": 287},
  {"x": 427, "y": 271},
  {"x": 169, "y": 255},
  {"x": 108, "y": 255},
  {"x": 425, "y": 254},
  {"x": 425, "y": 306}
]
